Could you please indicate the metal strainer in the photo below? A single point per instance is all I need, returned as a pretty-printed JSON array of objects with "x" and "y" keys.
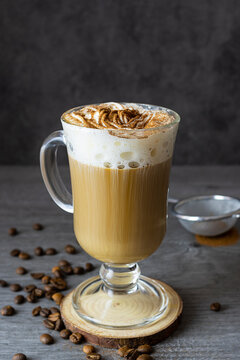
[{"x": 207, "y": 215}]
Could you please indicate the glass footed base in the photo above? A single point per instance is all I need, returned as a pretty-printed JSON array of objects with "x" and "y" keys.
[{"x": 102, "y": 306}]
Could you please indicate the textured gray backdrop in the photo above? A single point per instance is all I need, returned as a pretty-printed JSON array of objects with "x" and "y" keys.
[{"x": 182, "y": 54}]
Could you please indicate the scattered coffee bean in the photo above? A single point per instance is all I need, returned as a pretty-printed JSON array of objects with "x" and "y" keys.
[
  {"x": 50, "y": 251},
  {"x": 54, "y": 317},
  {"x": 15, "y": 287},
  {"x": 57, "y": 297},
  {"x": 31, "y": 297},
  {"x": 59, "y": 283},
  {"x": 123, "y": 350},
  {"x": 7, "y": 310},
  {"x": 46, "y": 279},
  {"x": 29, "y": 288},
  {"x": 54, "y": 310},
  {"x": 37, "y": 227},
  {"x": 24, "y": 256},
  {"x": 59, "y": 325},
  {"x": 63, "y": 263},
  {"x": 37, "y": 276},
  {"x": 46, "y": 339},
  {"x": 39, "y": 293},
  {"x": 57, "y": 271},
  {"x": 145, "y": 357},
  {"x": 44, "y": 312},
  {"x": 19, "y": 299},
  {"x": 89, "y": 267},
  {"x": 21, "y": 270},
  {"x": 50, "y": 287},
  {"x": 49, "y": 324},
  {"x": 215, "y": 306},
  {"x": 70, "y": 249},
  {"x": 19, "y": 356},
  {"x": 94, "y": 356},
  {"x": 78, "y": 270},
  {"x": 65, "y": 333},
  {"x": 36, "y": 311},
  {"x": 38, "y": 251},
  {"x": 88, "y": 349},
  {"x": 67, "y": 269},
  {"x": 15, "y": 252},
  {"x": 145, "y": 349},
  {"x": 76, "y": 338},
  {"x": 12, "y": 231},
  {"x": 131, "y": 354},
  {"x": 3, "y": 283},
  {"x": 49, "y": 294}
]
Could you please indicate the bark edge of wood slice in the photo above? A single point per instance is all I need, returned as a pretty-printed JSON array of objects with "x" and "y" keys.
[{"x": 110, "y": 338}]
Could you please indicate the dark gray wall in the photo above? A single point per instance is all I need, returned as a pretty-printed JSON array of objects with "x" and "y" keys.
[{"x": 182, "y": 54}]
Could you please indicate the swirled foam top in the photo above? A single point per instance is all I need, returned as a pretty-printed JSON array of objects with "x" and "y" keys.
[{"x": 119, "y": 136}]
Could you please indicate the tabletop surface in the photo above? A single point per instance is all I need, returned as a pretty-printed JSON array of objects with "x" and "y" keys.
[{"x": 201, "y": 274}]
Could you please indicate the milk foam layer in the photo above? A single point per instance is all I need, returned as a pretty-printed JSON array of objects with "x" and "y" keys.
[{"x": 119, "y": 149}]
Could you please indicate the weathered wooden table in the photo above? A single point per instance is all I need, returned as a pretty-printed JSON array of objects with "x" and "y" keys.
[{"x": 201, "y": 274}]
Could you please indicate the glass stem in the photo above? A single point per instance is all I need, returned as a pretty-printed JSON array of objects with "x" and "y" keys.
[{"x": 120, "y": 278}]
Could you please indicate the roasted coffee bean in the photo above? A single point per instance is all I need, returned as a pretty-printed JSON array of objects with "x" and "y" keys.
[
  {"x": 145, "y": 349},
  {"x": 89, "y": 267},
  {"x": 59, "y": 283},
  {"x": 54, "y": 310},
  {"x": 15, "y": 287},
  {"x": 70, "y": 249},
  {"x": 46, "y": 339},
  {"x": 63, "y": 263},
  {"x": 3, "y": 283},
  {"x": 131, "y": 354},
  {"x": 57, "y": 297},
  {"x": 94, "y": 356},
  {"x": 30, "y": 288},
  {"x": 50, "y": 251},
  {"x": 38, "y": 251},
  {"x": 78, "y": 270},
  {"x": 21, "y": 270},
  {"x": 67, "y": 269},
  {"x": 215, "y": 306},
  {"x": 24, "y": 256},
  {"x": 49, "y": 324},
  {"x": 19, "y": 299},
  {"x": 12, "y": 231},
  {"x": 65, "y": 333},
  {"x": 49, "y": 294},
  {"x": 46, "y": 279},
  {"x": 36, "y": 311},
  {"x": 76, "y": 338},
  {"x": 58, "y": 274},
  {"x": 7, "y": 310},
  {"x": 123, "y": 350},
  {"x": 37, "y": 276},
  {"x": 44, "y": 312},
  {"x": 54, "y": 317},
  {"x": 31, "y": 297},
  {"x": 145, "y": 357},
  {"x": 59, "y": 325},
  {"x": 15, "y": 252},
  {"x": 88, "y": 349},
  {"x": 37, "y": 227},
  {"x": 50, "y": 287},
  {"x": 39, "y": 293},
  {"x": 19, "y": 356}
]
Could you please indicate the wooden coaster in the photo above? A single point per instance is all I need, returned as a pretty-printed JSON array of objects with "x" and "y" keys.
[{"x": 151, "y": 334}]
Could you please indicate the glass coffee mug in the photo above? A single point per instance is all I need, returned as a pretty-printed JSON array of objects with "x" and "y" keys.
[{"x": 119, "y": 202}]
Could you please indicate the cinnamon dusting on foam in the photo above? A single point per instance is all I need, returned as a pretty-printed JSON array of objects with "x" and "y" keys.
[{"x": 118, "y": 116}]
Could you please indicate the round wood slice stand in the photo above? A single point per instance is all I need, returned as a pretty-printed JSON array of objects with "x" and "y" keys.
[{"x": 151, "y": 334}]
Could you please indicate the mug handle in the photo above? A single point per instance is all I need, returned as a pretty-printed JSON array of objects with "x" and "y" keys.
[{"x": 50, "y": 172}]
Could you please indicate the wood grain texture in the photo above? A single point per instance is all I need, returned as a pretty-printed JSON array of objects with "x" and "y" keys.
[{"x": 200, "y": 274}]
